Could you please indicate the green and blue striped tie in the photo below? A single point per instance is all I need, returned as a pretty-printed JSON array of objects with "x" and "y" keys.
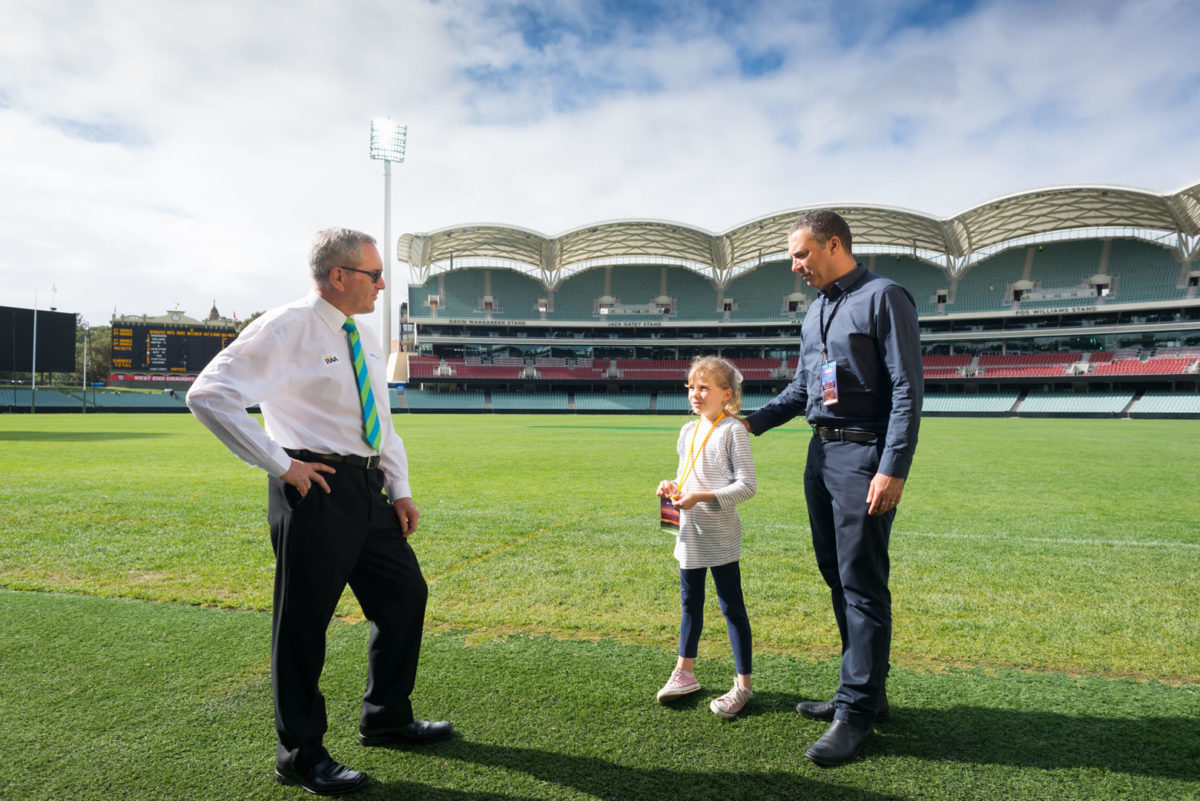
[{"x": 370, "y": 416}]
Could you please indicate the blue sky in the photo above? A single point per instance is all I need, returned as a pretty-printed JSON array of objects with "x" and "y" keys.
[{"x": 187, "y": 155}]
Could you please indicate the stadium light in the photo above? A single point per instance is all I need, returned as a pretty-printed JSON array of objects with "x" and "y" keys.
[{"x": 388, "y": 142}]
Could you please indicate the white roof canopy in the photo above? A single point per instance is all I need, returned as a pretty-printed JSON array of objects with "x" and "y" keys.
[{"x": 1172, "y": 219}]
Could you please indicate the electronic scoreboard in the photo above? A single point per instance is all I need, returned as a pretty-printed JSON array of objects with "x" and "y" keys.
[{"x": 159, "y": 347}]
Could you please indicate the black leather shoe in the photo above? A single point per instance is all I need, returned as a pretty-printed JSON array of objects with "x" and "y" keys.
[
  {"x": 840, "y": 743},
  {"x": 416, "y": 732},
  {"x": 326, "y": 778},
  {"x": 823, "y": 710}
]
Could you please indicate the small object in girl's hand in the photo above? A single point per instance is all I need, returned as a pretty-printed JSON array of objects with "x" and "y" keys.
[{"x": 668, "y": 517}]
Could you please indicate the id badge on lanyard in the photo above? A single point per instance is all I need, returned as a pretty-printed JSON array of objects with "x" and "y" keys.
[
  {"x": 829, "y": 393},
  {"x": 668, "y": 517}
]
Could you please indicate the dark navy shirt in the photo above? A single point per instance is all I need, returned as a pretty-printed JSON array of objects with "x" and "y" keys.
[{"x": 873, "y": 336}]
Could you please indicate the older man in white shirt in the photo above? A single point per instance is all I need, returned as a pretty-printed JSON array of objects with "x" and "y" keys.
[{"x": 339, "y": 503}]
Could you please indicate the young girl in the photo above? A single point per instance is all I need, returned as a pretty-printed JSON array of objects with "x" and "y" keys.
[{"x": 716, "y": 472}]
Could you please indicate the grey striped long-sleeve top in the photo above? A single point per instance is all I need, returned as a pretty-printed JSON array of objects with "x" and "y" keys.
[{"x": 710, "y": 533}]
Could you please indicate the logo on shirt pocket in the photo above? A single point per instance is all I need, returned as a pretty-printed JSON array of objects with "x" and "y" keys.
[{"x": 330, "y": 359}]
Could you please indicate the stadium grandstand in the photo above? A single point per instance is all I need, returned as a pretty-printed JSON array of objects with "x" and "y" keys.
[{"x": 1075, "y": 300}]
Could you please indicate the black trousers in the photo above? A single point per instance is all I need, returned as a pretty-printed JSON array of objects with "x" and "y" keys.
[
  {"x": 322, "y": 543},
  {"x": 852, "y": 554}
]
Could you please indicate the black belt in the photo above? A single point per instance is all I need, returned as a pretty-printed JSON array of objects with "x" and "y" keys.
[
  {"x": 365, "y": 462},
  {"x": 846, "y": 435}
]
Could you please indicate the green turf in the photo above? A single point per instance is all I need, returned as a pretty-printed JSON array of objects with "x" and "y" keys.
[
  {"x": 1037, "y": 565},
  {"x": 1039, "y": 544},
  {"x": 115, "y": 699}
]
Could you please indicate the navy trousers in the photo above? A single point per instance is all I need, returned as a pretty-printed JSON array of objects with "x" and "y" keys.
[
  {"x": 728, "y": 579},
  {"x": 851, "y": 548},
  {"x": 322, "y": 543}
]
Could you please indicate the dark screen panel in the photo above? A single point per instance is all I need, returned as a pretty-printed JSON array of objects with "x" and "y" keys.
[{"x": 55, "y": 340}]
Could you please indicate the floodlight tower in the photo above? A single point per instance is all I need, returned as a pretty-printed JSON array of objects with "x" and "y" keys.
[{"x": 388, "y": 141}]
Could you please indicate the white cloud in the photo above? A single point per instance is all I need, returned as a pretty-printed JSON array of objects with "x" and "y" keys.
[{"x": 241, "y": 128}]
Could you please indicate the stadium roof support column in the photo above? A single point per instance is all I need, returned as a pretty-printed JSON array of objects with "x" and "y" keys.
[
  {"x": 722, "y": 260},
  {"x": 413, "y": 250},
  {"x": 1185, "y": 208},
  {"x": 1189, "y": 247},
  {"x": 958, "y": 244},
  {"x": 550, "y": 264}
]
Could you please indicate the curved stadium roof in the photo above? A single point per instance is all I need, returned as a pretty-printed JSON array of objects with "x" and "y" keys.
[{"x": 953, "y": 243}]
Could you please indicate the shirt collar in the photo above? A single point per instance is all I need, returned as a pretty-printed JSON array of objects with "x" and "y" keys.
[
  {"x": 847, "y": 282},
  {"x": 326, "y": 311}
]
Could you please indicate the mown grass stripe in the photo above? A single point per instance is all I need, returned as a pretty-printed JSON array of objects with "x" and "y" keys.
[{"x": 106, "y": 699}]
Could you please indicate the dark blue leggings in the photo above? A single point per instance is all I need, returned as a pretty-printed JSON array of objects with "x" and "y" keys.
[{"x": 728, "y": 579}]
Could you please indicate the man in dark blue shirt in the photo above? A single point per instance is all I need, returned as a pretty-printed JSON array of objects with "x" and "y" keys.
[{"x": 860, "y": 384}]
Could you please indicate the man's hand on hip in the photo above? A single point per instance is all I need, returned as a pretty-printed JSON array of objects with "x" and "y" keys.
[
  {"x": 302, "y": 475},
  {"x": 407, "y": 514}
]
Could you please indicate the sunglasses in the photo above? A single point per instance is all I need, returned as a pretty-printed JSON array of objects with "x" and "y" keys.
[{"x": 374, "y": 275}]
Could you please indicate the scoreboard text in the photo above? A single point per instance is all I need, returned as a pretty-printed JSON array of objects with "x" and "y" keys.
[{"x": 166, "y": 348}]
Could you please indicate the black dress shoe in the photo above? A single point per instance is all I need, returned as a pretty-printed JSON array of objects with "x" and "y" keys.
[
  {"x": 823, "y": 710},
  {"x": 326, "y": 778},
  {"x": 840, "y": 743},
  {"x": 416, "y": 732}
]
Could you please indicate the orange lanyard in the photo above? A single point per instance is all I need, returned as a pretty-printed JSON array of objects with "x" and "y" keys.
[{"x": 689, "y": 468}]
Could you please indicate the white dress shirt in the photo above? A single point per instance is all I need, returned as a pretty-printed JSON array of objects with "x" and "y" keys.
[{"x": 294, "y": 362}]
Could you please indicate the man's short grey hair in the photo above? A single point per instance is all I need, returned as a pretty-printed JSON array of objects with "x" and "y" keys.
[
  {"x": 336, "y": 247},
  {"x": 824, "y": 224}
]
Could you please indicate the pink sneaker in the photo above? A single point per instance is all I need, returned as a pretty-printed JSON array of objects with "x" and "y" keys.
[
  {"x": 729, "y": 704},
  {"x": 680, "y": 684}
]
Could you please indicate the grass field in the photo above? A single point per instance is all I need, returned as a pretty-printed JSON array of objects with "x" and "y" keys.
[{"x": 1044, "y": 580}]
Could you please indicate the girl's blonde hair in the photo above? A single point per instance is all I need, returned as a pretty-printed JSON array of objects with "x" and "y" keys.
[{"x": 724, "y": 375}]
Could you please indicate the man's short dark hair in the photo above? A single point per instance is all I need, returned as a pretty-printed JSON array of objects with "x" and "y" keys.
[
  {"x": 336, "y": 247},
  {"x": 824, "y": 224}
]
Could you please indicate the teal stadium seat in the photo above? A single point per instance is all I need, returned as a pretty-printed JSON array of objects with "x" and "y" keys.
[
  {"x": 626, "y": 402},
  {"x": 529, "y": 402},
  {"x": 1050, "y": 403},
  {"x": 921, "y": 279},
  {"x": 695, "y": 296},
  {"x": 957, "y": 403},
  {"x": 752, "y": 401},
  {"x": 117, "y": 401},
  {"x": 1066, "y": 264},
  {"x": 673, "y": 402},
  {"x": 635, "y": 284},
  {"x": 53, "y": 399},
  {"x": 575, "y": 298},
  {"x": 1060, "y": 270},
  {"x": 762, "y": 293},
  {"x": 516, "y": 295},
  {"x": 463, "y": 291},
  {"x": 983, "y": 286},
  {"x": 19, "y": 399},
  {"x": 1156, "y": 404},
  {"x": 420, "y": 400},
  {"x": 1143, "y": 273}
]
